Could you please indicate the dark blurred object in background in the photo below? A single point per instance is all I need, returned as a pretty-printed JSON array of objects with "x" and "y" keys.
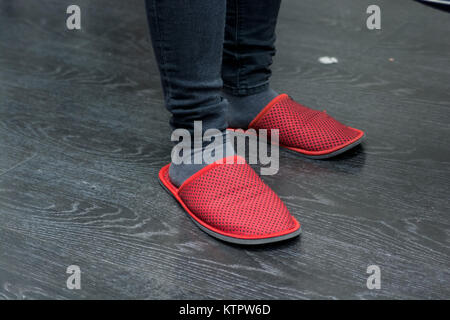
[{"x": 438, "y": 4}]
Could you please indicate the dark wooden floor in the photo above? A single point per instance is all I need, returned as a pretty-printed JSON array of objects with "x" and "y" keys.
[{"x": 83, "y": 133}]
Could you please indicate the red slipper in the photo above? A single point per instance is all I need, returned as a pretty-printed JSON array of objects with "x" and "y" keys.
[
  {"x": 230, "y": 202},
  {"x": 312, "y": 133}
]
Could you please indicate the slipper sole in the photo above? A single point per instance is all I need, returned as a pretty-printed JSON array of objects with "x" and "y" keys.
[{"x": 321, "y": 154}]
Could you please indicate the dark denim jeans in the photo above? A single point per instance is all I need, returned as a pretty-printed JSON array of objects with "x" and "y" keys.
[{"x": 205, "y": 46}]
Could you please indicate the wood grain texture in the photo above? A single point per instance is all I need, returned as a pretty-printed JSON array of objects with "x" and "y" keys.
[{"x": 83, "y": 133}]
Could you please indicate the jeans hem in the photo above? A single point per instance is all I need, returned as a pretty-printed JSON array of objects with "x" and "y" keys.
[{"x": 245, "y": 91}]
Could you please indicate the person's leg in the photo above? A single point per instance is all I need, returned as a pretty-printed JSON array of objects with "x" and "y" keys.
[
  {"x": 249, "y": 47},
  {"x": 226, "y": 200},
  {"x": 247, "y": 55},
  {"x": 187, "y": 38}
]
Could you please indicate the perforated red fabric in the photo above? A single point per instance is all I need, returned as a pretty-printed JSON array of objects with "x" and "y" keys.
[
  {"x": 233, "y": 199},
  {"x": 304, "y": 128}
]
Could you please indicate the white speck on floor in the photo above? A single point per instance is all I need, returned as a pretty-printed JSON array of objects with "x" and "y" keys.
[{"x": 328, "y": 60}]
